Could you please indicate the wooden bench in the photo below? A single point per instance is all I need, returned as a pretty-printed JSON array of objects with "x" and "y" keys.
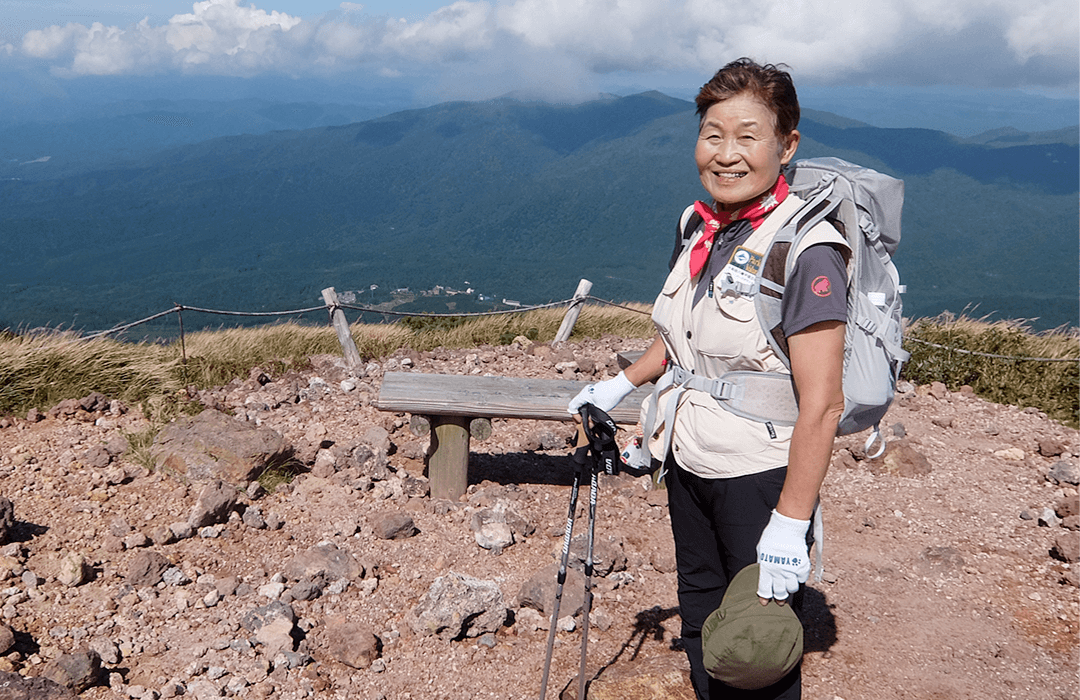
[{"x": 452, "y": 402}]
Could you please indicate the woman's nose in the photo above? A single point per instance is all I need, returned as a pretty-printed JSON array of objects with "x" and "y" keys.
[{"x": 727, "y": 152}]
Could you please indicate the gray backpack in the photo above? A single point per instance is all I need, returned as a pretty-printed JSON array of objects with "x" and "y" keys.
[{"x": 864, "y": 206}]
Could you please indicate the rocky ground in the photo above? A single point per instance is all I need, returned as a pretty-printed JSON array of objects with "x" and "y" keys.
[{"x": 950, "y": 565}]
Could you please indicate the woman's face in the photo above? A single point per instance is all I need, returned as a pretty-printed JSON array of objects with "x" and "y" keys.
[{"x": 739, "y": 153}]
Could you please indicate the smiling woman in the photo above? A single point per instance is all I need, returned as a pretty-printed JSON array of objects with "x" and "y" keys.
[{"x": 741, "y": 490}]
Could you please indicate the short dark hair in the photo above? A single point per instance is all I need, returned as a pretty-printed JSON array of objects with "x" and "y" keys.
[{"x": 770, "y": 84}]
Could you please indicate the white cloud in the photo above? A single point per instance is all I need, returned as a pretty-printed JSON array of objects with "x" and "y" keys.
[{"x": 1035, "y": 42}]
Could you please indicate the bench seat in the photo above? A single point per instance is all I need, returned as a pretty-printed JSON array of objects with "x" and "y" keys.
[{"x": 451, "y": 401}]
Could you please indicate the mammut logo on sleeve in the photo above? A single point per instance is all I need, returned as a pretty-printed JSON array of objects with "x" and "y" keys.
[{"x": 821, "y": 286}]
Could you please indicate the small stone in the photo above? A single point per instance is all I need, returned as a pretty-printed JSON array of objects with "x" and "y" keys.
[
  {"x": 210, "y": 532},
  {"x": 174, "y": 576},
  {"x": 274, "y": 521},
  {"x": 181, "y": 531},
  {"x": 1048, "y": 518},
  {"x": 393, "y": 526},
  {"x": 566, "y": 624},
  {"x": 272, "y": 591},
  {"x": 254, "y": 519},
  {"x": 136, "y": 540},
  {"x": 1012, "y": 454}
]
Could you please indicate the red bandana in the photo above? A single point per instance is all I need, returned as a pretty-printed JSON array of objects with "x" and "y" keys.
[{"x": 714, "y": 221}]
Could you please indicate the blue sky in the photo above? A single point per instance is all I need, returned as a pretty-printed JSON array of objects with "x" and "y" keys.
[{"x": 553, "y": 49}]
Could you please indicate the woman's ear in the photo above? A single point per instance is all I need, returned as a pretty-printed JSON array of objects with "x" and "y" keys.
[{"x": 791, "y": 145}]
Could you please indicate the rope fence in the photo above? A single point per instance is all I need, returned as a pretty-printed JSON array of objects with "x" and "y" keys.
[
  {"x": 992, "y": 355},
  {"x": 573, "y": 305}
]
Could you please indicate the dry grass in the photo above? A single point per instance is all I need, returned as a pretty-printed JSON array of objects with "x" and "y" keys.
[
  {"x": 39, "y": 370},
  {"x": 1052, "y": 387}
]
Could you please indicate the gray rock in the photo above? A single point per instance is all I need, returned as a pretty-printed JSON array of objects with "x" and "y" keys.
[
  {"x": 609, "y": 554},
  {"x": 253, "y": 519},
  {"x": 457, "y": 606},
  {"x": 146, "y": 568},
  {"x": 116, "y": 445},
  {"x": 97, "y": 457},
  {"x": 326, "y": 560},
  {"x": 898, "y": 430},
  {"x": 371, "y": 461},
  {"x": 274, "y": 521},
  {"x": 213, "y": 445},
  {"x": 538, "y": 592},
  {"x": 213, "y": 505},
  {"x": 272, "y": 625},
  {"x": 393, "y": 526},
  {"x": 77, "y": 671},
  {"x": 15, "y": 687},
  {"x": 308, "y": 588},
  {"x": 1047, "y": 518},
  {"x": 1065, "y": 472},
  {"x": 181, "y": 531},
  {"x": 106, "y": 650},
  {"x": 119, "y": 527},
  {"x": 7, "y": 518},
  {"x": 352, "y": 643}
]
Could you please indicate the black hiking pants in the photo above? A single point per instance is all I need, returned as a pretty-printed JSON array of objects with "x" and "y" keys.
[{"x": 716, "y": 524}]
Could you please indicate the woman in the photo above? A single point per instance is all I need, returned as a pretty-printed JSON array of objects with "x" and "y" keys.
[{"x": 742, "y": 491}]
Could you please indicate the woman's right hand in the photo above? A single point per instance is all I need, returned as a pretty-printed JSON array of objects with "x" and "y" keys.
[{"x": 605, "y": 395}]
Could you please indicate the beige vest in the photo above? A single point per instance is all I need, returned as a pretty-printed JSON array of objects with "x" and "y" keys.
[{"x": 722, "y": 334}]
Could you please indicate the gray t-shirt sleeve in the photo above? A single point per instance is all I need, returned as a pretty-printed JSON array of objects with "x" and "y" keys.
[{"x": 816, "y": 290}]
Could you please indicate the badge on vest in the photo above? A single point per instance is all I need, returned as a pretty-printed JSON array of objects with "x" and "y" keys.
[{"x": 741, "y": 269}]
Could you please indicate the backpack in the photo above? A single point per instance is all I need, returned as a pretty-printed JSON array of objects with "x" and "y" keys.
[{"x": 864, "y": 206}]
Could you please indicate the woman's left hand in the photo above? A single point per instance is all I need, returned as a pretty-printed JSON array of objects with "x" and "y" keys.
[{"x": 783, "y": 559}]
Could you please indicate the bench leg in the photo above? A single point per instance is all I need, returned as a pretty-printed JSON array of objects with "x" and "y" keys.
[{"x": 448, "y": 463}]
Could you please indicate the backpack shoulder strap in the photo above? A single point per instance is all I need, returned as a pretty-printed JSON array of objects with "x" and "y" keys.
[
  {"x": 777, "y": 264},
  {"x": 688, "y": 223}
]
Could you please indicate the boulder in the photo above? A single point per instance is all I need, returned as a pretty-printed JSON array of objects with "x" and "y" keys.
[
  {"x": 458, "y": 606},
  {"x": 213, "y": 445}
]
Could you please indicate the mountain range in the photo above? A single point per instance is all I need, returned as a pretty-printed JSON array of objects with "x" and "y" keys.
[{"x": 515, "y": 199}]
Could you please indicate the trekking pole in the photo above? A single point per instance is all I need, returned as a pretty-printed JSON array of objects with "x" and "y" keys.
[
  {"x": 579, "y": 461},
  {"x": 593, "y": 490}
]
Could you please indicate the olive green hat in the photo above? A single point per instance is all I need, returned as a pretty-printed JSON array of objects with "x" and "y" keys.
[{"x": 749, "y": 645}]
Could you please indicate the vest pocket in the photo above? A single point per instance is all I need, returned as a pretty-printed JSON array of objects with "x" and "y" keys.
[{"x": 725, "y": 326}]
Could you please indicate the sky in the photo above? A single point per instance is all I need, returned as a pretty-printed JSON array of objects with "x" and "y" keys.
[{"x": 553, "y": 49}]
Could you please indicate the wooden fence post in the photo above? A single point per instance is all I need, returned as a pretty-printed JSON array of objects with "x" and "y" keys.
[
  {"x": 572, "y": 312},
  {"x": 341, "y": 327}
]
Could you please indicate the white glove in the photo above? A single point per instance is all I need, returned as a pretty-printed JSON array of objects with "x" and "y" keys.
[
  {"x": 605, "y": 395},
  {"x": 783, "y": 559}
]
